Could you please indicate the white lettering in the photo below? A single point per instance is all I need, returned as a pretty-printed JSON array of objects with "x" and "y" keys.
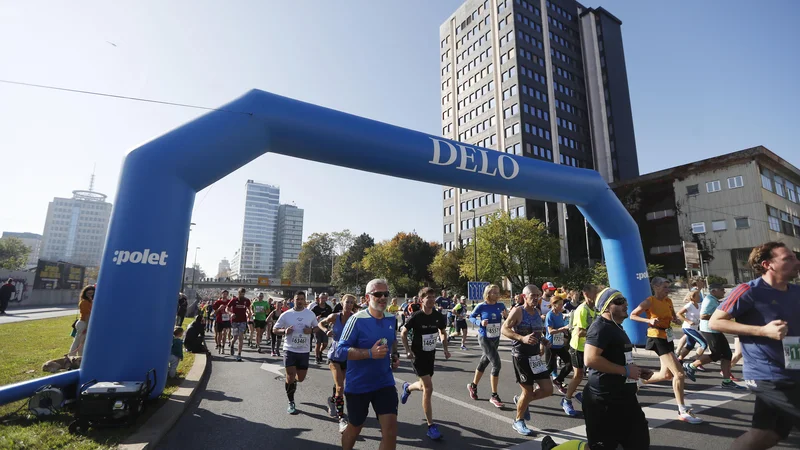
[
  {"x": 437, "y": 153},
  {"x": 136, "y": 257},
  {"x": 152, "y": 259},
  {"x": 485, "y": 166},
  {"x": 501, "y": 166},
  {"x": 163, "y": 261},
  {"x": 642, "y": 275},
  {"x": 143, "y": 257},
  {"x": 467, "y": 158}
]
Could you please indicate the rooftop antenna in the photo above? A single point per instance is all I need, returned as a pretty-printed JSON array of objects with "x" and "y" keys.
[{"x": 91, "y": 180}]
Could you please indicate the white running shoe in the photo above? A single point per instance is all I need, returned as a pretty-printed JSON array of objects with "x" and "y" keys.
[{"x": 689, "y": 417}]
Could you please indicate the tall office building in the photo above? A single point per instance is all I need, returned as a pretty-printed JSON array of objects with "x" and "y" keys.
[
  {"x": 543, "y": 79},
  {"x": 290, "y": 235},
  {"x": 256, "y": 256},
  {"x": 31, "y": 240},
  {"x": 224, "y": 268},
  {"x": 75, "y": 228}
]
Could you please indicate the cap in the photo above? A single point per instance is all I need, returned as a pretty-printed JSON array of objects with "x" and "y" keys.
[
  {"x": 713, "y": 286},
  {"x": 549, "y": 286},
  {"x": 604, "y": 299},
  {"x": 463, "y": 297}
]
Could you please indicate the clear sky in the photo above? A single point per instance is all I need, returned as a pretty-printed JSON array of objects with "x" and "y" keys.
[{"x": 706, "y": 78}]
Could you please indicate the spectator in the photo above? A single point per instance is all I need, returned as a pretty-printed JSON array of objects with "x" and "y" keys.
[
  {"x": 176, "y": 354},
  {"x": 183, "y": 304},
  {"x": 85, "y": 310},
  {"x": 6, "y": 291},
  {"x": 194, "y": 337}
]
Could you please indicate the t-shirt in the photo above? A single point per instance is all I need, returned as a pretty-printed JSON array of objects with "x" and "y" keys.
[
  {"x": 757, "y": 303},
  {"x": 709, "y": 305},
  {"x": 297, "y": 341},
  {"x": 322, "y": 310},
  {"x": 338, "y": 308},
  {"x": 239, "y": 307},
  {"x": 412, "y": 308},
  {"x": 443, "y": 302},
  {"x": 425, "y": 328},
  {"x": 220, "y": 306},
  {"x": 545, "y": 306},
  {"x": 363, "y": 331},
  {"x": 261, "y": 309},
  {"x": 460, "y": 312},
  {"x": 492, "y": 313},
  {"x": 582, "y": 317},
  {"x": 663, "y": 311},
  {"x": 553, "y": 320},
  {"x": 611, "y": 338},
  {"x": 692, "y": 314},
  {"x": 6, "y": 290}
]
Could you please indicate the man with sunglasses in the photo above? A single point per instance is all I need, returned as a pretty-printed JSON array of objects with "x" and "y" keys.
[{"x": 367, "y": 339}]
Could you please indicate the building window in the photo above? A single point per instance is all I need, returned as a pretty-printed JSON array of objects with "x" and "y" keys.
[
  {"x": 766, "y": 179},
  {"x": 660, "y": 214},
  {"x": 735, "y": 182},
  {"x": 796, "y": 221},
  {"x": 698, "y": 228},
  {"x": 692, "y": 189},
  {"x": 774, "y": 221},
  {"x": 786, "y": 224},
  {"x": 713, "y": 186},
  {"x": 719, "y": 225},
  {"x": 790, "y": 192}
]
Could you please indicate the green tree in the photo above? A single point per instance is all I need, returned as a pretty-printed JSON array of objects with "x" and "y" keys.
[
  {"x": 13, "y": 254},
  {"x": 520, "y": 250},
  {"x": 446, "y": 272},
  {"x": 289, "y": 271},
  {"x": 403, "y": 261},
  {"x": 575, "y": 277},
  {"x": 348, "y": 272},
  {"x": 316, "y": 259},
  {"x": 600, "y": 273}
]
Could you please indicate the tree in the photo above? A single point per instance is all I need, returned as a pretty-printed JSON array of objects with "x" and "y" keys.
[
  {"x": 342, "y": 241},
  {"x": 520, "y": 250},
  {"x": 315, "y": 260},
  {"x": 13, "y": 254},
  {"x": 600, "y": 273},
  {"x": 446, "y": 272},
  {"x": 403, "y": 262},
  {"x": 289, "y": 270},
  {"x": 348, "y": 272}
]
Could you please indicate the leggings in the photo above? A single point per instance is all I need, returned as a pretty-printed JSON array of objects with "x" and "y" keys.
[
  {"x": 490, "y": 355},
  {"x": 276, "y": 343},
  {"x": 562, "y": 353}
]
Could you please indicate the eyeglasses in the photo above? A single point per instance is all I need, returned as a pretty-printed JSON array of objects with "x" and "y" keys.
[
  {"x": 619, "y": 301},
  {"x": 379, "y": 294}
]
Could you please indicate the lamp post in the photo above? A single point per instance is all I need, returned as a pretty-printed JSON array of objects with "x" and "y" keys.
[
  {"x": 194, "y": 267},
  {"x": 185, "y": 256},
  {"x": 475, "y": 241}
]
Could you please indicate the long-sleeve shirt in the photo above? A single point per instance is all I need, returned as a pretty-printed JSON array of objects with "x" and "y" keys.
[
  {"x": 177, "y": 347},
  {"x": 85, "y": 308}
]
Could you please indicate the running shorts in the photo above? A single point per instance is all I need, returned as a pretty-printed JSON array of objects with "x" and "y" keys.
[
  {"x": 777, "y": 406},
  {"x": 297, "y": 360},
  {"x": 610, "y": 423},
  {"x": 260, "y": 324},
  {"x": 383, "y": 401},
  {"x": 524, "y": 373},
  {"x": 223, "y": 325},
  {"x": 576, "y": 357},
  {"x": 423, "y": 363},
  {"x": 238, "y": 328},
  {"x": 461, "y": 324},
  {"x": 719, "y": 346},
  {"x": 660, "y": 346}
]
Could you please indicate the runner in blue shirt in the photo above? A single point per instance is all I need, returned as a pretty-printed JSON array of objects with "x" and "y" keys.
[
  {"x": 767, "y": 314},
  {"x": 488, "y": 316},
  {"x": 557, "y": 328}
]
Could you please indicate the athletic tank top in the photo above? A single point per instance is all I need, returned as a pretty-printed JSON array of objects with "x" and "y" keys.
[
  {"x": 531, "y": 323},
  {"x": 662, "y": 310},
  {"x": 338, "y": 327}
]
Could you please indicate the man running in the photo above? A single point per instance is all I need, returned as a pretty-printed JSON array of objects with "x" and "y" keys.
[
  {"x": 526, "y": 330},
  {"x": 240, "y": 310},
  {"x": 488, "y": 316},
  {"x": 297, "y": 325},
  {"x": 426, "y": 326},
  {"x": 333, "y": 326},
  {"x": 610, "y": 406},
  {"x": 261, "y": 308},
  {"x": 549, "y": 289},
  {"x": 460, "y": 314},
  {"x": 321, "y": 309},
  {"x": 223, "y": 321},
  {"x": 767, "y": 314},
  {"x": 660, "y": 316},
  {"x": 581, "y": 320},
  {"x": 442, "y": 302},
  {"x": 367, "y": 339}
]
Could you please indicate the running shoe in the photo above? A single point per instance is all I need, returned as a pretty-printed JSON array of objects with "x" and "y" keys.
[
  {"x": 548, "y": 443},
  {"x": 291, "y": 409},
  {"x": 259, "y": 350},
  {"x": 560, "y": 387},
  {"x": 527, "y": 412},
  {"x": 495, "y": 400},
  {"x": 342, "y": 424},
  {"x": 728, "y": 384},
  {"x": 238, "y": 357},
  {"x": 520, "y": 427},
  {"x": 464, "y": 347},
  {"x": 732, "y": 378},
  {"x": 566, "y": 405},
  {"x": 473, "y": 391},
  {"x": 701, "y": 369},
  {"x": 405, "y": 394},
  {"x": 689, "y": 371},
  {"x": 332, "y": 407},
  {"x": 433, "y": 432},
  {"x": 272, "y": 353},
  {"x": 579, "y": 397},
  {"x": 689, "y": 417}
]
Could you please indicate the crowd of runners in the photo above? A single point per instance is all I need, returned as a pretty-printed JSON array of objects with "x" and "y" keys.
[{"x": 553, "y": 334}]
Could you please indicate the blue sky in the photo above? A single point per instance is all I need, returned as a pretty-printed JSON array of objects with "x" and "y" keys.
[{"x": 706, "y": 78}]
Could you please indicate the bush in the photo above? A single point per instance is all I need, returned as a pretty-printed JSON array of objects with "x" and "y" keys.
[{"x": 717, "y": 279}]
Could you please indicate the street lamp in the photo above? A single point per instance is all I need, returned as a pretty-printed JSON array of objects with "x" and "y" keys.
[
  {"x": 185, "y": 256},
  {"x": 194, "y": 267}
]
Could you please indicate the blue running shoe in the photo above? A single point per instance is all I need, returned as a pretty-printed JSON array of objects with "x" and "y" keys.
[
  {"x": 520, "y": 427},
  {"x": 291, "y": 409},
  {"x": 405, "y": 394},
  {"x": 566, "y": 405},
  {"x": 433, "y": 432},
  {"x": 689, "y": 370}
]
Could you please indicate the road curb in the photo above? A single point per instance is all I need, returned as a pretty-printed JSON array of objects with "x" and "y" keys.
[{"x": 159, "y": 424}]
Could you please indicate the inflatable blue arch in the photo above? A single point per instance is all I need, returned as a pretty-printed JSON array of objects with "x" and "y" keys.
[{"x": 141, "y": 268}]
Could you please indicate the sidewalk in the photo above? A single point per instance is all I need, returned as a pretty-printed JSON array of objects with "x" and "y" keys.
[{"x": 44, "y": 312}]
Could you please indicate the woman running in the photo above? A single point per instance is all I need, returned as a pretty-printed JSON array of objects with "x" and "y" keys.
[
  {"x": 333, "y": 326},
  {"x": 488, "y": 316},
  {"x": 275, "y": 345},
  {"x": 690, "y": 315}
]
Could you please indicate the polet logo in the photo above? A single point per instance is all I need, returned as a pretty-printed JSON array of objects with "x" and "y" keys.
[{"x": 144, "y": 257}]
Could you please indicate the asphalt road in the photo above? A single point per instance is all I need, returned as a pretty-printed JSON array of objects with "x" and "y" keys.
[{"x": 243, "y": 405}]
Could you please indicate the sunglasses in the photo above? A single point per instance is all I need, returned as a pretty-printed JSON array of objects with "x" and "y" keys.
[
  {"x": 619, "y": 301},
  {"x": 379, "y": 294}
]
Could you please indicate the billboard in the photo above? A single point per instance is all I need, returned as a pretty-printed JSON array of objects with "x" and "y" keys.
[
  {"x": 58, "y": 275},
  {"x": 692, "y": 255}
]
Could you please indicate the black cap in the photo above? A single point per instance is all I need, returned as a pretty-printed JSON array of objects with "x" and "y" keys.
[{"x": 713, "y": 286}]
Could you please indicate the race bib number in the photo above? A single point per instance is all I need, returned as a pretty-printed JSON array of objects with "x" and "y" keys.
[
  {"x": 669, "y": 334},
  {"x": 492, "y": 330},
  {"x": 791, "y": 352},
  {"x": 537, "y": 365},
  {"x": 628, "y": 362},
  {"x": 429, "y": 342},
  {"x": 226, "y": 317},
  {"x": 259, "y": 309},
  {"x": 558, "y": 339},
  {"x": 300, "y": 340}
]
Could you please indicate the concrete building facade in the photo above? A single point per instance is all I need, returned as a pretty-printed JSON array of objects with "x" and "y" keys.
[
  {"x": 75, "y": 228},
  {"x": 256, "y": 256},
  {"x": 289, "y": 235}
]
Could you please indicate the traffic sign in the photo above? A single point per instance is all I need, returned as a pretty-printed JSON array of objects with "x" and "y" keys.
[
  {"x": 691, "y": 254},
  {"x": 475, "y": 290},
  {"x": 263, "y": 281}
]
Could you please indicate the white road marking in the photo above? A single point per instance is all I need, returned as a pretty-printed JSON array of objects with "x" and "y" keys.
[
  {"x": 463, "y": 404},
  {"x": 274, "y": 368}
]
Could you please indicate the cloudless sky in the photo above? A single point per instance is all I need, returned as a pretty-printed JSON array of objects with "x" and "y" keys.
[{"x": 706, "y": 78}]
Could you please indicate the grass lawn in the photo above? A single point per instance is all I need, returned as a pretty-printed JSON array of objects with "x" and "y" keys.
[{"x": 25, "y": 347}]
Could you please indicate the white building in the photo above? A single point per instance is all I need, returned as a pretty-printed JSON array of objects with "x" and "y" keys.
[
  {"x": 31, "y": 240},
  {"x": 290, "y": 235},
  {"x": 75, "y": 228},
  {"x": 224, "y": 268},
  {"x": 256, "y": 256}
]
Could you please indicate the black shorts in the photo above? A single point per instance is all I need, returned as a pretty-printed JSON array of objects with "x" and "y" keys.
[
  {"x": 719, "y": 346},
  {"x": 383, "y": 401},
  {"x": 660, "y": 346},
  {"x": 260, "y": 324},
  {"x": 423, "y": 363},
  {"x": 223, "y": 325},
  {"x": 297, "y": 360},
  {"x": 461, "y": 324},
  {"x": 524, "y": 373},
  {"x": 341, "y": 364},
  {"x": 612, "y": 423},
  {"x": 777, "y": 406},
  {"x": 576, "y": 357},
  {"x": 321, "y": 336}
]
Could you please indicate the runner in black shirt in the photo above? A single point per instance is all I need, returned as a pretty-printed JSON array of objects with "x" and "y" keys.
[
  {"x": 610, "y": 406},
  {"x": 322, "y": 310},
  {"x": 428, "y": 326}
]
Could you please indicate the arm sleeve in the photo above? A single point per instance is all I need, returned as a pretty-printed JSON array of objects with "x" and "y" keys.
[
  {"x": 738, "y": 302},
  {"x": 475, "y": 317}
]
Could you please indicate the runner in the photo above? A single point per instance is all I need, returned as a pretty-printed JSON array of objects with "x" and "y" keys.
[
  {"x": 612, "y": 411},
  {"x": 273, "y": 317},
  {"x": 208, "y": 309},
  {"x": 460, "y": 314},
  {"x": 690, "y": 315},
  {"x": 403, "y": 308},
  {"x": 526, "y": 330},
  {"x": 442, "y": 302},
  {"x": 660, "y": 316},
  {"x": 557, "y": 328},
  {"x": 241, "y": 311},
  {"x": 548, "y": 289},
  {"x": 767, "y": 314},
  {"x": 297, "y": 325},
  {"x": 223, "y": 322},
  {"x": 366, "y": 339},
  {"x": 333, "y": 325},
  {"x": 424, "y": 325},
  {"x": 393, "y": 309},
  {"x": 488, "y": 316},
  {"x": 321, "y": 310},
  {"x": 581, "y": 319},
  {"x": 260, "y": 309}
]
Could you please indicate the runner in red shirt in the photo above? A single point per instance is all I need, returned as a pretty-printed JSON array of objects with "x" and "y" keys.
[
  {"x": 240, "y": 310},
  {"x": 222, "y": 322}
]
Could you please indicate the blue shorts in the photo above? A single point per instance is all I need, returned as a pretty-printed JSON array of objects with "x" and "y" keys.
[
  {"x": 384, "y": 401},
  {"x": 694, "y": 337},
  {"x": 297, "y": 360}
]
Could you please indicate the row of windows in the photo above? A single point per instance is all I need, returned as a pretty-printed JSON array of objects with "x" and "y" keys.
[
  {"x": 471, "y": 48},
  {"x": 506, "y": 57},
  {"x": 515, "y": 149},
  {"x": 561, "y": 26},
  {"x": 485, "y": 89},
  {"x": 448, "y": 193},
  {"x": 508, "y": 74},
  {"x": 563, "y": 42},
  {"x": 721, "y": 225},
  {"x": 529, "y": 22},
  {"x": 537, "y": 131},
  {"x": 530, "y": 7},
  {"x": 560, "y": 104},
  {"x": 512, "y": 130},
  {"x": 479, "y": 128},
  {"x": 446, "y": 69},
  {"x": 517, "y": 212},
  {"x": 513, "y": 110},
  {"x": 448, "y": 246},
  {"x": 558, "y": 55},
  {"x": 564, "y": 73},
  {"x": 446, "y": 115},
  {"x": 569, "y": 125},
  {"x": 532, "y": 74},
  {"x": 563, "y": 89},
  {"x": 783, "y": 222},
  {"x": 487, "y": 106},
  {"x": 472, "y": 64},
  {"x": 542, "y": 152},
  {"x": 533, "y": 92},
  {"x": 447, "y": 129},
  {"x": 560, "y": 10},
  {"x": 446, "y": 98},
  {"x": 445, "y": 41},
  {"x": 530, "y": 109},
  {"x": 475, "y": 78},
  {"x": 655, "y": 215},
  {"x": 489, "y": 142},
  {"x": 570, "y": 161},
  {"x": 531, "y": 57},
  {"x": 510, "y": 92},
  {"x": 507, "y": 38},
  {"x": 448, "y": 228},
  {"x": 448, "y": 211},
  {"x": 446, "y": 84},
  {"x": 445, "y": 55},
  {"x": 782, "y": 186},
  {"x": 715, "y": 186},
  {"x": 529, "y": 39},
  {"x": 504, "y": 22},
  {"x": 478, "y": 202}
]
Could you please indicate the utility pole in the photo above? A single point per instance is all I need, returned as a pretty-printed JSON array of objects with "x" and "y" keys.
[
  {"x": 194, "y": 267},
  {"x": 185, "y": 257}
]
